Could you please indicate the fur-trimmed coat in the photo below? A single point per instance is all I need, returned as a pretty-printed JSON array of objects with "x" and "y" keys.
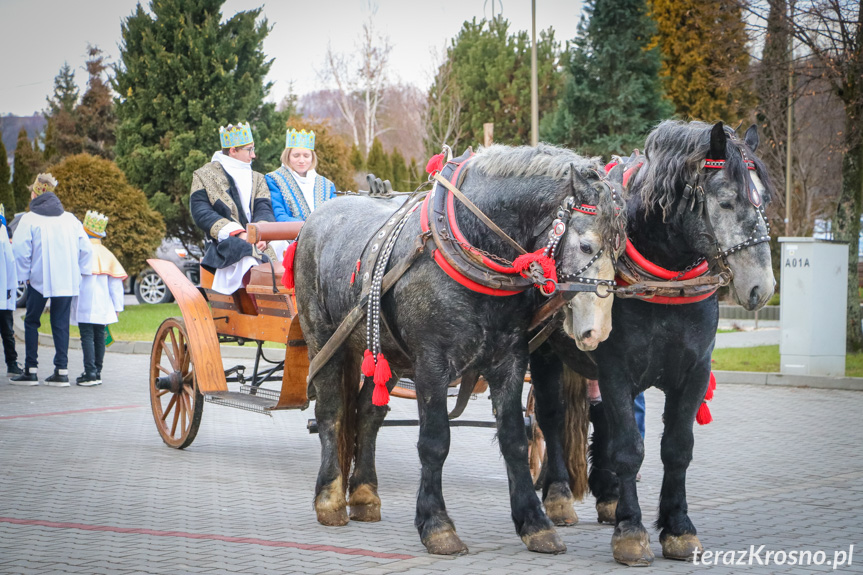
[{"x": 214, "y": 204}]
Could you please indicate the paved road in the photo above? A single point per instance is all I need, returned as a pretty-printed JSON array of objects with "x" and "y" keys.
[{"x": 86, "y": 486}]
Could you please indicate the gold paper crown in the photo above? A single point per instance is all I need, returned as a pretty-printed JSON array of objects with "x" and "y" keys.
[
  {"x": 95, "y": 223},
  {"x": 236, "y": 136},
  {"x": 44, "y": 183},
  {"x": 301, "y": 139},
  {"x": 2, "y": 211}
]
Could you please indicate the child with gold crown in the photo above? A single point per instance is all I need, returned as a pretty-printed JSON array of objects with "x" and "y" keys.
[{"x": 99, "y": 302}]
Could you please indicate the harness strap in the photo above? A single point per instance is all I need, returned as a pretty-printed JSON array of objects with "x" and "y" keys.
[
  {"x": 356, "y": 315},
  {"x": 478, "y": 213}
]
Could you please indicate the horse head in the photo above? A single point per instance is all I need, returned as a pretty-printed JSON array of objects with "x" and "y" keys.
[
  {"x": 713, "y": 190},
  {"x": 588, "y": 251}
]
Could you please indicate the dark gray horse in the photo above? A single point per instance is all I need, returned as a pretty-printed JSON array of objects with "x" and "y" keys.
[
  {"x": 439, "y": 330},
  {"x": 698, "y": 202}
]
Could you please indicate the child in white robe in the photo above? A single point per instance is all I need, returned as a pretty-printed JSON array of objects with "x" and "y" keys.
[{"x": 99, "y": 302}]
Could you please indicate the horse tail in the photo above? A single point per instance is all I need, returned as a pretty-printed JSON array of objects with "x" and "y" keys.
[
  {"x": 576, "y": 423},
  {"x": 349, "y": 423}
]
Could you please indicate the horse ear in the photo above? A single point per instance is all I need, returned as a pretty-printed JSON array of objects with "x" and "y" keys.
[
  {"x": 616, "y": 174},
  {"x": 717, "y": 142},
  {"x": 751, "y": 137},
  {"x": 576, "y": 177}
]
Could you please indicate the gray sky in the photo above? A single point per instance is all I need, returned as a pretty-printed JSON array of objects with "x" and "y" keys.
[{"x": 39, "y": 35}]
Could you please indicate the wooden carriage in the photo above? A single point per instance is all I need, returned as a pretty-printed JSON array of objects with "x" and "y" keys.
[{"x": 187, "y": 367}]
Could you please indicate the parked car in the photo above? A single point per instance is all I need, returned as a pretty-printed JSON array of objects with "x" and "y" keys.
[{"x": 147, "y": 286}]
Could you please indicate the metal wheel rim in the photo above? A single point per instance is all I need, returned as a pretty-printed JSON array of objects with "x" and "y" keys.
[
  {"x": 174, "y": 413},
  {"x": 152, "y": 288}
]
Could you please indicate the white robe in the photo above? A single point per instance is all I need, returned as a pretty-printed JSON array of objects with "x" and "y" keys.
[
  {"x": 100, "y": 300},
  {"x": 229, "y": 279},
  {"x": 52, "y": 253},
  {"x": 8, "y": 273}
]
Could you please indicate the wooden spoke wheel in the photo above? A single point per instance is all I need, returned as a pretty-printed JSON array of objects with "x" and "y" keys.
[
  {"x": 174, "y": 395},
  {"x": 535, "y": 444}
]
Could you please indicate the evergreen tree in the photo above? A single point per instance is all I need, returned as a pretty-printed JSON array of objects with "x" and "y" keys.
[
  {"x": 415, "y": 176},
  {"x": 95, "y": 118},
  {"x": 704, "y": 58},
  {"x": 357, "y": 160},
  {"x": 7, "y": 198},
  {"x": 60, "y": 136},
  {"x": 27, "y": 164},
  {"x": 378, "y": 163},
  {"x": 399, "y": 172},
  {"x": 611, "y": 96},
  {"x": 183, "y": 72},
  {"x": 486, "y": 78}
]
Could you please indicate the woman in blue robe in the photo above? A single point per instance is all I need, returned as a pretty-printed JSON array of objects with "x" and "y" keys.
[{"x": 296, "y": 189}]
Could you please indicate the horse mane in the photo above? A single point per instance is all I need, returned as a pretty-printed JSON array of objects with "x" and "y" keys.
[
  {"x": 554, "y": 162},
  {"x": 675, "y": 150}
]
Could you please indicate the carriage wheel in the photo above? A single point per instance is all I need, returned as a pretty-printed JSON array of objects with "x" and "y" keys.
[
  {"x": 174, "y": 395},
  {"x": 536, "y": 443}
]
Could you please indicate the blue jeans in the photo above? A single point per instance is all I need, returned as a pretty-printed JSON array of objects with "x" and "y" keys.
[
  {"x": 639, "y": 412},
  {"x": 61, "y": 307}
]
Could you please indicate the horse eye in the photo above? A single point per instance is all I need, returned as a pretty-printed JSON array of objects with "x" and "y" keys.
[
  {"x": 726, "y": 205},
  {"x": 586, "y": 249}
]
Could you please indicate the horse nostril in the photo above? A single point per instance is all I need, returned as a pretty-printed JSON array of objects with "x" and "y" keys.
[
  {"x": 754, "y": 297},
  {"x": 587, "y": 334}
]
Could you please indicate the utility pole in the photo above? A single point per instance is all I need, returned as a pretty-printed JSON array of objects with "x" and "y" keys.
[
  {"x": 790, "y": 23},
  {"x": 534, "y": 88}
]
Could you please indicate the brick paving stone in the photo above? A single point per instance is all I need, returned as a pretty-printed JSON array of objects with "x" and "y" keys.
[{"x": 789, "y": 480}]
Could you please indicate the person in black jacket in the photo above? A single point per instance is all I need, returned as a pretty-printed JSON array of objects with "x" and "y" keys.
[{"x": 226, "y": 196}]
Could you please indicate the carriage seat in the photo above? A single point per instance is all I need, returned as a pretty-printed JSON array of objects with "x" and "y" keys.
[{"x": 260, "y": 279}]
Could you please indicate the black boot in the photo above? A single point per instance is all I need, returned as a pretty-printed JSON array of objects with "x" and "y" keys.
[{"x": 60, "y": 378}]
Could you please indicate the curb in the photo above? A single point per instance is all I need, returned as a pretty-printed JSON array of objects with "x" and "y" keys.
[
  {"x": 129, "y": 347},
  {"x": 722, "y": 377}
]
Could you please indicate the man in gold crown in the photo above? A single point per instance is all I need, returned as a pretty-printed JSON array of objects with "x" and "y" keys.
[
  {"x": 227, "y": 195},
  {"x": 99, "y": 302},
  {"x": 52, "y": 252},
  {"x": 296, "y": 189}
]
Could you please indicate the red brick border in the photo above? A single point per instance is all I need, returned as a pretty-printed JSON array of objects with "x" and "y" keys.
[
  {"x": 72, "y": 412},
  {"x": 207, "y": 536}
]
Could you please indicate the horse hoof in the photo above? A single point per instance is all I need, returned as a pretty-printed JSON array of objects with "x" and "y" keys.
[
  {"x": 367, "y": 513},
  {"x": 365, "y": 504},
  {"x": 684, "y": 547},
  {"x": 632, "y": 549},
  {"x": 330, "y": 505},
  {"x": 545, "y": 541},
  {"x": 606, "y": 511},
  {"x": 561, "y": 513},
  {"x": 444, "y": 543},
  {"x": 332, "y": 517}
]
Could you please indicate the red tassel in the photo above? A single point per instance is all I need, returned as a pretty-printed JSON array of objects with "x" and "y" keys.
[
  {"x": 549, "y": 269},
  {"x": 711, "y": 387},
  {"x": 435, "y": 163},
  {"x": 368, "y": 364},
  {"x": 703, "y": 416},
  {"x": 353, "y": 278},
  {"x": 288, "y": 263},
  {"x": 381, "y": 395}
]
